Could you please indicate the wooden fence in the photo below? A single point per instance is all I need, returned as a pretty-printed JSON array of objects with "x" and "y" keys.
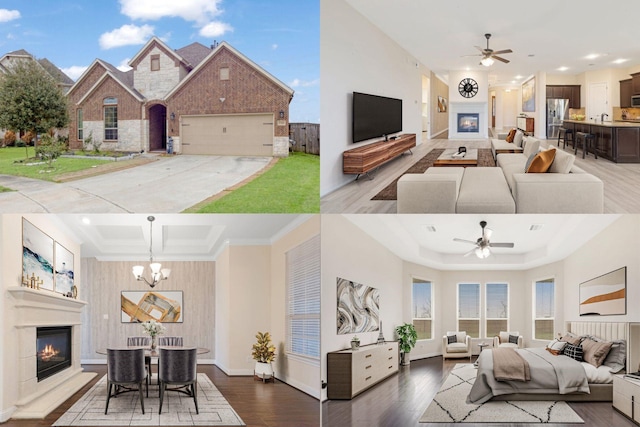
[{"x": 305, "y": 137}]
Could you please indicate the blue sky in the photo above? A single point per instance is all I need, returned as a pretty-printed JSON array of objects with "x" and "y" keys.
[{"x": 282, "y": 36}]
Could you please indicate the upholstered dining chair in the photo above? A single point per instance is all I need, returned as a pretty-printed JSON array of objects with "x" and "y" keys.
[
  {"x": 142, "y": 342},
  {"x": 125, "y": 367},
  {"x": 177, "y": 367},
  {"x": 170, "y": 341},
  {"x": 511, "y": 339}
]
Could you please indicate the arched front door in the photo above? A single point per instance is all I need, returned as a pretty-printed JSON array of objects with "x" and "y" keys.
[{"x": 157, "y": 128}]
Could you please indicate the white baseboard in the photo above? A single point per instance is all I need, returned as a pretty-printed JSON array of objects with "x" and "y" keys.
[
  {"x": 300, "y": 386},
  {"x": 424, "y": 356},
  {"x": 6, "y": 414}
]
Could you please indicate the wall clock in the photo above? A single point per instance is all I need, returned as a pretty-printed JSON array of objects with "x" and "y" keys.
[{"x": 468, "y": 88}]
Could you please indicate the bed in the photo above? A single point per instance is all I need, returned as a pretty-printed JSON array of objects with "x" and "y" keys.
[{"x": 572, "y": 384}]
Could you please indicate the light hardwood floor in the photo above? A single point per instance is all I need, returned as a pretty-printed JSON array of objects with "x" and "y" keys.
[{"x": 621, "y": 181}]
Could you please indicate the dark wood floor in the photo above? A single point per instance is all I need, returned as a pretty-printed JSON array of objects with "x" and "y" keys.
[
  {"x": 258, "y": 404},
  {"x": 401, "y": 400}
]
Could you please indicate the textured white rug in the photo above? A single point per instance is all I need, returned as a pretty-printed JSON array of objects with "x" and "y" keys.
[
  {"x": 449, "y": 405},
  {"x": 177, "y": 410}
]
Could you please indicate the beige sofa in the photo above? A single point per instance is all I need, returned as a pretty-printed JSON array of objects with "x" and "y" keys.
[{"x": 500, "y": 145}]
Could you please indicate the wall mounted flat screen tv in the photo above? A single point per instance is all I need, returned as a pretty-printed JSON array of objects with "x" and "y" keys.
[{"x": 375, "y": 116}]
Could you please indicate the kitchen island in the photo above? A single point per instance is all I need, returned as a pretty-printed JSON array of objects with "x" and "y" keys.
[{"x": 618, "y": 141}]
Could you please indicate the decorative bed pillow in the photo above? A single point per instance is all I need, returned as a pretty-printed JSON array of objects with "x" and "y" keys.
[
  {"x": 571, "y": 338},
  {"x": 513, "y": 339},
  {"x": 511, "y": 135},
  {"x": 616, "y": 360},
  {"x": 541, "y": 162},
  {"x": 573, "y": 351},
  {"x": 557, "y": 345},
  {"x": 451, "y": 339},
  {"x": 595, "y": 351}
]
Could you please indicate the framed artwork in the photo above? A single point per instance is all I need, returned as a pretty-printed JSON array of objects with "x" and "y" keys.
[
  {"x": 358, "y": 307},
  {"x": 442, "y": 104},
  {"x": 605, "y": 295},
  {"x": 529, "y": 95},
  {"x": 140, "y": 306},
  {"x": 37, "y": 255},
  {"x": 63, "y": 277}
]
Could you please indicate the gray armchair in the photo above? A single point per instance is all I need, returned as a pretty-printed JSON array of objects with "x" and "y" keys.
[
  {"x": 177, "y": 366},
  {"x": 125, "y": 367}
]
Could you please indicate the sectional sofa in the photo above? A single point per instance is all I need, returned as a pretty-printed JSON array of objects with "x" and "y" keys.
[{"x": 506, "y": 188}]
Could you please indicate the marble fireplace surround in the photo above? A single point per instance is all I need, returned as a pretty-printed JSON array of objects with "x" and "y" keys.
[{"x": 34, "y": 309}]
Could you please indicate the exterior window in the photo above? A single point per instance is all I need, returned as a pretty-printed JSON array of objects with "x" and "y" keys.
[
  {"x": 497, "y": 306},
  {"x": 421, "y": 298},
  {"x": 544, "y": 309},
  {"x": 303, "y": 299},
  {"x": 224, "y": 73},
  {"x": 111, "y": 119},
  {"x": 469, "y": 309},
  {"x": 80, "y": 125},
  {"x": 155, "y": 62}
]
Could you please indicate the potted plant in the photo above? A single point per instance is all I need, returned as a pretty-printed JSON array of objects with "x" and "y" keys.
[
  {"x": 355, "y": 343},
  {"x": 263, "y": 353},
  {"x": 407, "y": 337},
  {"x": 153, "y": 328}
]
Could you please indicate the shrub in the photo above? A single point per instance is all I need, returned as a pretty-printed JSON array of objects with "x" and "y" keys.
[
  {"x": 90, "y": 143},
  {"x": 28, "y": 137},
  {"x": 9, "y": 138},
  {"x": 20, "y": 143},
  {"x": 49, "y": 148}
]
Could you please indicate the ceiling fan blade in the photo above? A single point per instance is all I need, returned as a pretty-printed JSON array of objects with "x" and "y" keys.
[
  {"x": 475, "y": 54},
  {"x": 498, "y": 52},
  {"x": 464, "y": 241},
  {"x": 506, "y": 61},
  {"x": 472, "y": 251},
  {"x": 480, "y": 49},
  {"x": 501, "y": 245}
]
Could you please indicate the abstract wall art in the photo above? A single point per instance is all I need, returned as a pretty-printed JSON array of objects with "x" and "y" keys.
[
  {"x": 63, "y": 278},
  {"x": 605, "y": 295},
  {"x": 358, "y": 307},
  {"x": 37, "y": 255},
  {"x": 139, "y": 306},
  {"x": 529, "y": 95}
]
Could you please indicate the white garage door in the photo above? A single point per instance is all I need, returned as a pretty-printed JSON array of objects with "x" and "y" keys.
[{"x": 233, "y": 135}]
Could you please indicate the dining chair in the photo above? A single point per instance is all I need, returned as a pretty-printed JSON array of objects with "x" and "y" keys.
[
  {"x": 142, "y": 342},
  {"x": 177, "y": 366},
  {"x": 124, "y": 368},
  {"x": 170, "y": 341}
]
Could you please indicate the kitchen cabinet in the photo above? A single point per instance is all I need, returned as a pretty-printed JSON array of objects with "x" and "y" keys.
[
  {"x": 635, "y": 84},
  {"x": 570, "y": 92},
  {"x": 604, "y": 141},
  {"x": 626, "y": 91}
]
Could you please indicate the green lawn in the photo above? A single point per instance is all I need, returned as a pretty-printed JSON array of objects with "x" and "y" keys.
[
  {"x": 291, "y": 186},
  {"x": 9, "y": 155},
  {"x": 4, "y": 189}
]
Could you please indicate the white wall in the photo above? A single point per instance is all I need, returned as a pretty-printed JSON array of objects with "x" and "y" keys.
[
  {"x": 222, "y": 310},
  {"x": 349, "y": 253},
  {"x": 356, "y": 56}
]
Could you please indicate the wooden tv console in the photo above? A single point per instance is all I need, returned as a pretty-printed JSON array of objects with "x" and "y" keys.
[{"x": 363, "y": 159}]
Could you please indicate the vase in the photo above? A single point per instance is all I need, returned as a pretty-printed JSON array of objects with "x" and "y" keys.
[{"x": 153, "y": 342}]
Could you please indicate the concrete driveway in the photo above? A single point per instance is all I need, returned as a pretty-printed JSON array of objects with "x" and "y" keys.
[{"x": 171, "y": 184}]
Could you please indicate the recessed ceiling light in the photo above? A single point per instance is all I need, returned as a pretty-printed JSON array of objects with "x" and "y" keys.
[
  {"x": 563, "y": 68},
  {"x": 518, "y": 77},
  {"x": 592, "y": 56},
  {"x": 86, "y": 220},
  {"x": 531, "y": 55},
  {"x": 507, "y": 90},
  {"x": 430, "y": 228},
  {"x": 620, "y": 61},
  {"x": 536, "y": 227},
  {"x": 513, "y": 81}
]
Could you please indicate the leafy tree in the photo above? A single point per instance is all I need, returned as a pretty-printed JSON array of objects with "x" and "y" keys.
[{"x": 31, "y": 100}]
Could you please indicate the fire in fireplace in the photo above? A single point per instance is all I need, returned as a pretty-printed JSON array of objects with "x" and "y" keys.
[
  {"x": 53, "y": 346},
  {"x": 468, "y": 122}
]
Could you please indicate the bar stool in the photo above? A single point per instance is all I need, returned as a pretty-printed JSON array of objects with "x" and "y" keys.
[
  {"x": 566, "y": 135},
  {"x": 587, "y": 139}
]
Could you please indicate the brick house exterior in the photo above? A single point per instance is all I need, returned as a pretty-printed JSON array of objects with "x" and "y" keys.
[{"x": 207, "y": 100}]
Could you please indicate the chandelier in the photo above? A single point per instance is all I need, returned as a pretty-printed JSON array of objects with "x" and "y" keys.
[{"x": 157, "y": 272}]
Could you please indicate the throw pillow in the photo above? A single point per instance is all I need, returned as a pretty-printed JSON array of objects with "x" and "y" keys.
[
  {"x": 530, "y": 146},
  {"x": 529, "y": 160},
  {"x": 573, "y": 351},
  {"x": 557, "y": 345},
  {"x": 513, "y": 339},
  {"x": 451, "y": 339},
  {"x": 616, "y": 360},
  {"x": 571, "y": 338},
  {"x": 562, "y": 163},
  {"x": 512, "y": 134},
  {"x": 517, "y": 139},
  {"x": 595, "y": 352},
  {"x": 541, "y": 162}
]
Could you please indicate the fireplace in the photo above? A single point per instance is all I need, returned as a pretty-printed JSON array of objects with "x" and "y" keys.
[
  {"x": 468, "y": 122},
  {"x": 53, "y": 346}
]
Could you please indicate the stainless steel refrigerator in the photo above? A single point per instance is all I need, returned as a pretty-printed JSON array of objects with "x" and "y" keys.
[{"x": 557, "y": 111}]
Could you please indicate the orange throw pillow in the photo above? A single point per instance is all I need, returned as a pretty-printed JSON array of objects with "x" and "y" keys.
[
  {"x": 542, "y": 162},
  {"x": 511, "y": 135}
]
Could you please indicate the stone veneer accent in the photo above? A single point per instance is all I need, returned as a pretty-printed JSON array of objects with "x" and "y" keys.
[
  {"x": 131, "y": 133},
  {"x": 156, "y": 84},
  {"x": 281, "y": 146}
]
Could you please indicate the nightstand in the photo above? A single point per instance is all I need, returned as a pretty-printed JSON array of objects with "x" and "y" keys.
[{"x": 626, "y": 396}]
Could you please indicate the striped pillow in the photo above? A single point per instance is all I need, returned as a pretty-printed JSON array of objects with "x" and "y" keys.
[{"x": 573, "y": 351}]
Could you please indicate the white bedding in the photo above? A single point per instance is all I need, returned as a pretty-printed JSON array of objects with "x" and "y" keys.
[{"x": 600, "y": 375}]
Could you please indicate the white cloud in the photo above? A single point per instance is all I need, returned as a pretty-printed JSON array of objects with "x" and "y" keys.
[
  {"x": 200, "y": 11},
  {"x": 215, "y": 29},
  {"x": 75, "y": 71},
  {"x": 7, "y": 15},
  {"x": 274, "y": 46},
  {"x": 303, "y": 83},
  {"x": 125, "y": 36},
  {"x": 124, "y": 65}
]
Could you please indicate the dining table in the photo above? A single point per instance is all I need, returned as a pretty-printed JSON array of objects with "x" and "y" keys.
[{"x": 148, "y": 351}]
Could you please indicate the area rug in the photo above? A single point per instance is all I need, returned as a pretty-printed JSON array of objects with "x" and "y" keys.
[
  {"x": 177, "y": 409},
  {"x": 449, "y": 405},
  {"x": 485, "y": 158}
]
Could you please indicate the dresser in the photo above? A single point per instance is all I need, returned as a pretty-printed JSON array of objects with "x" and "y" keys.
[
  {"x": 350, "y": 372},
  {"x": 525, "y": 124},
  {"x": 626, "y": 396}
]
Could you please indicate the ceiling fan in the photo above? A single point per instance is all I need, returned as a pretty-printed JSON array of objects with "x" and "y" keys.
[
  {"x": 483, "y": 244},
  {"x": 488, "y": 55}
]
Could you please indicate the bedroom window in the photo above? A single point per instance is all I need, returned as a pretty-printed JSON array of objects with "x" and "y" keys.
[
  {"x": 469, "y": 309},
  {"x": 544, "y": 309},
  {"x": 80, "y": 125},
  {"x": 497, "y": 306},
  {"x": 303, "y": 299},
  {"x": 421, "y": 298}
]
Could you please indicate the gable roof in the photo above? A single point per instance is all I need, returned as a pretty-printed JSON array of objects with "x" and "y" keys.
[
  {"x": 155, "y": 40},
  {"x": 55, "y": 72},
  {"x": 19, "y": 52},
  {"x": 124, "y": 78},
  {"x": 214, "y": 52},
  {"x": 102, "y": 78},
  {"x": 194, "y": 53}
]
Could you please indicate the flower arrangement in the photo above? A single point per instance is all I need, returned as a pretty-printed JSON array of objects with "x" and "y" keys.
[
  {"x": 153, "y": 328},
  {"x": 263, "y": 350}
]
